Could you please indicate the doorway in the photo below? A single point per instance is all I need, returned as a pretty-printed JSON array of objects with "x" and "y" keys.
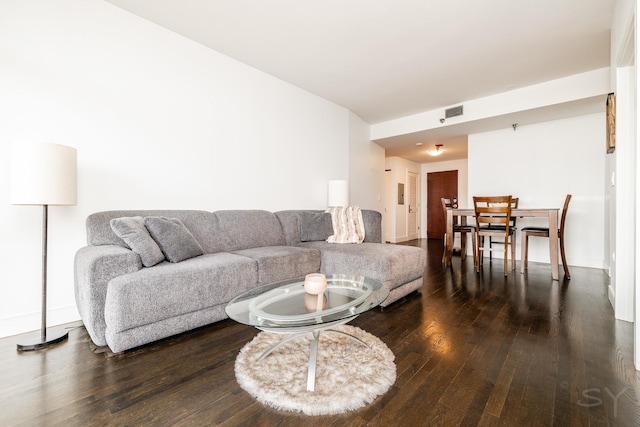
[
  {"x": 412, "y": 210},
  {"x": 386, "y": 217},
  {"x": 439, "y": 185}
]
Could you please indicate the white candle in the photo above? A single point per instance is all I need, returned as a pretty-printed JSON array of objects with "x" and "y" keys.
[{"x": 315, "y": 283}]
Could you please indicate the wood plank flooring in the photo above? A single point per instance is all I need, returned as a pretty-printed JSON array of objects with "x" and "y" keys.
[{"x": 471, "y": 349}]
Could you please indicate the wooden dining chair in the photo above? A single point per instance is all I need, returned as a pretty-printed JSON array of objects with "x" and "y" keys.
[
  {"x": 463, "y": 229},
  {"x": 493, "y": 214},
  {"x": 544, "y": 232},
  {"x": 512, "y": 228}
]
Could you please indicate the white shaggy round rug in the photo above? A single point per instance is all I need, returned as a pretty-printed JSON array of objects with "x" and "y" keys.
[{"x": 348, "y": 375}]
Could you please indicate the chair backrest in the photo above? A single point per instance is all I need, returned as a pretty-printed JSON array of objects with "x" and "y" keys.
[
  {"x": 514, "y": 205},
  {"x": 492, "y": 210},
  {"x": 446, "y": 203},
  {"x": 564, "y": 212}
]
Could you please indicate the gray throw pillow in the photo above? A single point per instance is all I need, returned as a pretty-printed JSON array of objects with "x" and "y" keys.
[
  {"x": 315, "y": 226},
  {"x": 135, "y": 235},
  {"x": 175, "y": 240}
]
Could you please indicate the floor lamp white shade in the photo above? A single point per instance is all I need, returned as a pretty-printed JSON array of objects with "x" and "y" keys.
[
  {"x": 338, "y": 193},
  {"x": 43, "y": 174}
]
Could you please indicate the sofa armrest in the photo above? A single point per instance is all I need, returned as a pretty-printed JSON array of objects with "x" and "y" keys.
[{"x": 94, "y": 267}]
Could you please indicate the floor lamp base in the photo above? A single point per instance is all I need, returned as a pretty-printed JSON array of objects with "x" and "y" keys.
[{"x": 37, "y": 341}]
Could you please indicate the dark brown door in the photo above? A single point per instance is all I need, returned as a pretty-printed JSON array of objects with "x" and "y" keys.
[{"x": 439, "y": 185}]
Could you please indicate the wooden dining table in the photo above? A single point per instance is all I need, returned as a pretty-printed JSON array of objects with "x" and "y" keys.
[{"x": 550, "y": 213}]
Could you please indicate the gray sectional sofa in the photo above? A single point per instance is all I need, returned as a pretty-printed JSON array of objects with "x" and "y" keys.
[{"x": 124, "y": 304}]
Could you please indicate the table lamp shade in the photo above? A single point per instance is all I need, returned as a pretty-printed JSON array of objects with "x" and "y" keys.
[
  {"x": 338, "y": 193},
  {"x": 43, "y": 174}
]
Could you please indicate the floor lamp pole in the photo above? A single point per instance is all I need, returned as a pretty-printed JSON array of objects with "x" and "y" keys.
[
  {"x": 50, "y": 336},
  {"x": 45, "y": 233}
]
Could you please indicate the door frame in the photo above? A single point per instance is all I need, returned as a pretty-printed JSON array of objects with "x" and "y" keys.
[{"x": 416, "y": 205}]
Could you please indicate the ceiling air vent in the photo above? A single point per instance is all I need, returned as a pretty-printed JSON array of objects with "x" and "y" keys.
[{"x": 453, "y": 111}]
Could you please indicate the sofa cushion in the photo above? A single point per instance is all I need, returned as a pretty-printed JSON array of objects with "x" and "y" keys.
[
  {"x": 201, "y": 224},
  {"x": 245, "y": 229},
  {"x": 137, "y": 237},
  {"x": 276, "y": 263},
  {"x": 170, "y": 290},
  {"x": 174, "y": 239},
  {"x": 393, "y": 265},
  {"x": 315, "y": 226},
  {"x": 290, "y": 221}
]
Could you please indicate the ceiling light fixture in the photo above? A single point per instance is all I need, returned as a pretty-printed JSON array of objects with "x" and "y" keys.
[{"x": 437, "y": 151}]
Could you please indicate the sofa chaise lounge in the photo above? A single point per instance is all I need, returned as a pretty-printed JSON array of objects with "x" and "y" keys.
[{"x": 124, "y": 304}]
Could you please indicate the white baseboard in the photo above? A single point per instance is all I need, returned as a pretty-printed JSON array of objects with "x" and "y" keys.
[
  {"x": 32, "y": 321},
  {"x": 612, "y": 296}
]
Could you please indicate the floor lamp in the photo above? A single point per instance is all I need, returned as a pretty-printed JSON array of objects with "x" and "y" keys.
[{"x": 43, "y": 174}]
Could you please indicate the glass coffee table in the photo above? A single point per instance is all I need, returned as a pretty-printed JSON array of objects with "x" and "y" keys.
[{"x": 285, "y": 308}]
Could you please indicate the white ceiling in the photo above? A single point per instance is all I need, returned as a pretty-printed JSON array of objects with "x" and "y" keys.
[{"x": 385, "y": 59}]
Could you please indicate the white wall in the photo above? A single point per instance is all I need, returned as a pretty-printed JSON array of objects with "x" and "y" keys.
[
  {"x": 544, "y": 162},
  {"x": 623, "y": 196},
  {"x": 366, "y": 167},
  {"x": 159, "y": 122}
]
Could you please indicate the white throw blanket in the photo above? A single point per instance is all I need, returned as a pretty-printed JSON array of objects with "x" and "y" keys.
[{"x": 348, "y": 226}]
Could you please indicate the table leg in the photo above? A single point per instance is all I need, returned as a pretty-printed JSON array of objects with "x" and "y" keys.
[
  {"x": 313, "y": 357},
  {"x": 463, "y": 238},
  {"x": 278, "y": 344},
  {"x": 314, "y": 332},
  {"x": 344, "y": 334},
  {"x": 553, "y": 243},
  {"x": 313, "y": 354},
  {"x": 448, "y": 238}
]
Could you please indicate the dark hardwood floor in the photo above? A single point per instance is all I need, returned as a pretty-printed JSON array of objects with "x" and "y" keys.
[{"x": 471, "y": 349}]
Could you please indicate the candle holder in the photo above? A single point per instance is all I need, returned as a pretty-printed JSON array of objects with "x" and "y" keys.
[{"x": 316, "y": 284}]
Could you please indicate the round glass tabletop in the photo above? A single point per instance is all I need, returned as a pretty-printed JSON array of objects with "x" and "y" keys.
[{"x": 286, "y": 304}]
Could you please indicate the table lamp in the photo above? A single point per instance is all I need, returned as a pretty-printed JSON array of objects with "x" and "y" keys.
[
  {"x": 43, "y": 174},
  {"x": 338, "y": 193}
]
